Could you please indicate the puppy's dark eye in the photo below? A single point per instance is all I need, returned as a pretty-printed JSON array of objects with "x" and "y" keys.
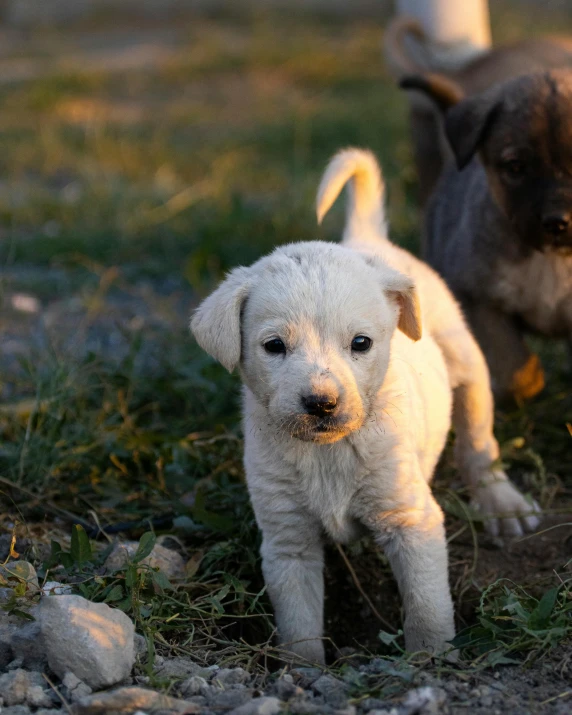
[
  {"x": 361, "y": 343},
  {"x": 275, "y": 346},
  {"x": 514, "y": 168}
]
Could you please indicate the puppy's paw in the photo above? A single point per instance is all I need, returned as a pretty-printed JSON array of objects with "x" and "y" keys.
[{"x": 504, "y": 509}]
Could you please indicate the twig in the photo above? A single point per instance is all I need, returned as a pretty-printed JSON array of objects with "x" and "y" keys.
[
  {"x": 359, "y": 587},
  {"x": 57, "y": 692},
  {"x": 565, "y": 694}
]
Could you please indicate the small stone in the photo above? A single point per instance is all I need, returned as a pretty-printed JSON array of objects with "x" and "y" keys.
[
  {"x": 37, "y": 697},
  {"x": 232, "y": 676},
  {"x": 424, "y": 701},
  {"x": 373, "y": 704},
  {"x": 28, "y": 645},
  {"x": 209, "y": 691},
  {"x": 259, "y": 706},
  {"x": 197, "y": 700},
  {"x": 129, "y": 700},
  {"x": 169, "y": 562},
  {"x": 193, "y": 686},
  {"x": 180, "y": 667},
  {"x": 285, "y": 689},
  {"x": 55, "y": 588},
  {"x": 140, "y": 645},
  {"x": 7, "y": 629},
  {"x": 306, "y": 676},
  {"x": 230, "y": 699},
  {"x": 16, "y": 710},
  {"x": 77, "y": 689},
  {"x": 348, "y": 710},
  {"x": 307, "y": 707},
  {"x": 17, "y": 684},
  {"x": 91, "y": 640},
  {"x": 333, "y": 690},
  {"x": 5, "y": 595},
  {"x": 15, "y": 664}
]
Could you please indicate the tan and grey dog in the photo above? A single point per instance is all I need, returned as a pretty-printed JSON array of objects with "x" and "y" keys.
[
  {"x": 408, "y": 52},
  {"x": 352, "y": 356},
  {"x": 499, "y": 224}
]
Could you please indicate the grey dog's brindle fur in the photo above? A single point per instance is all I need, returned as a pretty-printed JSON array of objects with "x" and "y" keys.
[{"x": 499, "y": 225}]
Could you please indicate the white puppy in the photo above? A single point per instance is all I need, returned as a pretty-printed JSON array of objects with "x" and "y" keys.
[{"x": 345, "y": 417}]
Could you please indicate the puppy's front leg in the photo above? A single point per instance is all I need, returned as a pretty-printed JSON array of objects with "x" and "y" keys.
[
  {"x": 292, "y": 563},
  {"x": 413, "y": 537}
]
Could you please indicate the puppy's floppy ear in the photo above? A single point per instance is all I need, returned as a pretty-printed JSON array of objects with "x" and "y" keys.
[
  {"x": 401, "y": 289},
  {"x": 216, "y": 322},
  {"x": 467, "y": 123}
]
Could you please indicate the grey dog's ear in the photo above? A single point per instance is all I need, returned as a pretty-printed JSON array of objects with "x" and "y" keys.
[
  {"x": 401, "y": 289},
  {"x": 442, "y": 90},
  {"x": 216, "y": 322},
  {"x": 467, "y": 123}
]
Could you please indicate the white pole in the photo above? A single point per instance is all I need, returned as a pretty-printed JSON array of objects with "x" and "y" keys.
[{"x": 452, "y": 22}]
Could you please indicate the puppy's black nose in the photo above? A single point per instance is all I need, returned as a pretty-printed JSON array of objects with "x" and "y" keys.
[
  {"x": 319, "y": 405},
  {"x": 556, "y": 223}
]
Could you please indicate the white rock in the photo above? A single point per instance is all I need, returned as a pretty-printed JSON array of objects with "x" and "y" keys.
[
  {"x": 55, "y": 588},
  {"x": 90, "y": 640},
  {"x": 77, "y": 689},
  {"x": 169, "y": 562}
]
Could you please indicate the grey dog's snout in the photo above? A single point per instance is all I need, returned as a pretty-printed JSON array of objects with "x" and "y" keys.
[
  {"x": 319, "y": 405},
  {"x": 556, "y": 223}
]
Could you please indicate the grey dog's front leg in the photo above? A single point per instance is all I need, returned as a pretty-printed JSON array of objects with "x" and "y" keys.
[
  {"x": 292, "y": 563},
  {"x": 515, "y": 371}
]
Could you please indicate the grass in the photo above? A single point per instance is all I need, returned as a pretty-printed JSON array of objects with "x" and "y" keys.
[{"x": 125, "y": 196}]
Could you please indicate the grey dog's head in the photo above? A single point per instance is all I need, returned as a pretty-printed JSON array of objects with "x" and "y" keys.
[
  {"x": 522, "y": 131},
  {"x": 310, "y": 328}
]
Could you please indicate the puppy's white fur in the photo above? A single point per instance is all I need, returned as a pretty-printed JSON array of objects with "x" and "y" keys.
[{"x": 370, "y": 462}]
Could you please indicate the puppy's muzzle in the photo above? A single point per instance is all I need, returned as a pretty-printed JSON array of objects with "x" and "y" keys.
[{"x": 320, "y": 405}]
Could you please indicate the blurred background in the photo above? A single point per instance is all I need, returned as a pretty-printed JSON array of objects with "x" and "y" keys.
[{"x": 147, "y": 146}]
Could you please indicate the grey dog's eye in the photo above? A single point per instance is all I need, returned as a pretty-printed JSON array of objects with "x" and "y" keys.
[
  {"x": 275, "y": 346},
  {"x": 361, "y": 343},
  {"x": 514, "y": 168}
]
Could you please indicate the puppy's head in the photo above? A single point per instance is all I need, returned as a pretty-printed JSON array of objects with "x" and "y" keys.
[
  {"x": 310, "y": 328},
  {"x": 523, "y": 132}
]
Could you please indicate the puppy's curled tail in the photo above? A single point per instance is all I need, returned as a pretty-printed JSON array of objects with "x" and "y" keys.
[
  {"x": 399, "y": 51},
  {"x": 365, "y": 215}
]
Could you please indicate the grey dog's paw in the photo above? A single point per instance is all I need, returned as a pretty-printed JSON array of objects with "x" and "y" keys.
[{"x": 505, "y": 510}]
